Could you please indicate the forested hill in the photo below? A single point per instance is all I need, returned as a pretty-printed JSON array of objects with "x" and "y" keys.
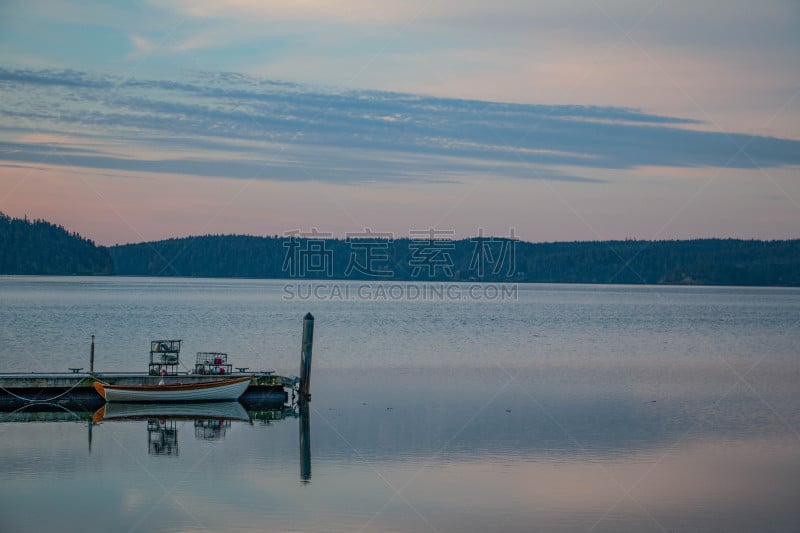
[
  {"x": 706, "y": 261},
  {"x": 39, "y": 247}
]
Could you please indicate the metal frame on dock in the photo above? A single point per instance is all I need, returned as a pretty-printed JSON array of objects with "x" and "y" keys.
[{"x": 164, "y": 357}]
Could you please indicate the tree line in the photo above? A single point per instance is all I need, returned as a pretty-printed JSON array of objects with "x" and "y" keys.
[
  {"x": 701, "y": 261},
  {"x": 39, "y": 247}
]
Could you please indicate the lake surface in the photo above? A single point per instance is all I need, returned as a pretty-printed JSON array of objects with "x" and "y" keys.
[{"x": 551, "y": 408}]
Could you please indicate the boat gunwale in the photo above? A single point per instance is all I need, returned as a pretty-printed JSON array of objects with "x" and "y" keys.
[{"x": 178, "y": 386}]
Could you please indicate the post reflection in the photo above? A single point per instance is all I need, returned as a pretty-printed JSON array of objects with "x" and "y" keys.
[
  {"x": 305, "y": 443},
  {"x": 90, "y": 424}
]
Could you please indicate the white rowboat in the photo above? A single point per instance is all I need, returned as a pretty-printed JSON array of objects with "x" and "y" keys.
[{"x": 219, "y": 390}]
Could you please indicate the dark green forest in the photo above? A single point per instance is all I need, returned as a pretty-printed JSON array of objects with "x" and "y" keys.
[
  {"x": 39, "y": 247},
  {"x": 706, "y": 261}
]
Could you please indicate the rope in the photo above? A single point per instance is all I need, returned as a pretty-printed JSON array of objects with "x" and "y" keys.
[
  {"x": 20, "y": 409},
  {"x": 46, "y": 400}
]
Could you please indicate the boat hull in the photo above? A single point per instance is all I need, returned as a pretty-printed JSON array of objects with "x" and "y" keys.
[{"x": 222, "y": 390}]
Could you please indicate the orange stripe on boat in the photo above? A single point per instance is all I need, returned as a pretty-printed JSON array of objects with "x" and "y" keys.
[{"x": 100, "y": 389}]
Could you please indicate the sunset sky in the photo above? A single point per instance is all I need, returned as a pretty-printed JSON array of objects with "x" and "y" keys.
[{"x": 584, "y": 120}]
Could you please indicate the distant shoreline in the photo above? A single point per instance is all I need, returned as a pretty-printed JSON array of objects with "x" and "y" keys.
[
  {"x": 405, "y": 282},
  {"x": 41, "y": 248}
]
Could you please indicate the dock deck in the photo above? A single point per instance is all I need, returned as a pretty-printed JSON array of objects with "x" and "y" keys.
[{"x": 76, "y": 387}]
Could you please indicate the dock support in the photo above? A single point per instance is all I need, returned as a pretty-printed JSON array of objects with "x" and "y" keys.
[
  {"x": 305, "y": 356},
  {"x": 91, "y": 357}
]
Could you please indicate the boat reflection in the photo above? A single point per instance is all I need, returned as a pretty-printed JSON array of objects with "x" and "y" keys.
[
  {"x": 210, "y": 420},
  {"x": 223, "y": 411}
]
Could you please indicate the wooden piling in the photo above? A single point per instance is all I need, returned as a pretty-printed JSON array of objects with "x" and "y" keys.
[
  {"x": 91, "y": 357},
  {"x": 305, "y": 356}
]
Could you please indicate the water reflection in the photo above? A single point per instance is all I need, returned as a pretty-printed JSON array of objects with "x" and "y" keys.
[
  {"x": 305, "y": 443},
  {"x": 211, "y": 429},
  {"x": 163, "y": 422},
  {"x": 211, "y": 420},
  {"x": 179, "y": 411},
  {"x": 455, "y": 467},
  {"x": 162, "y": 437}
]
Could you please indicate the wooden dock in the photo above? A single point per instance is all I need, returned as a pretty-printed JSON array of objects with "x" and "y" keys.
[{"x": 76, "y": 387}]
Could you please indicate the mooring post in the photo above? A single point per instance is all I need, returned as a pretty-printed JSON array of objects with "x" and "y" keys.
[
  {"x": 305, "y": 356},
  {"x": 91, "y": 357}
]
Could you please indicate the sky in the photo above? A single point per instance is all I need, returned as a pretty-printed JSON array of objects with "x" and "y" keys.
[{"x": 580, "y": 120}]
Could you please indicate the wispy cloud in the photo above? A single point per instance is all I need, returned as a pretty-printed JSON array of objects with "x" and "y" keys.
[
  {"x": 237, "y": 126},
  {"x": 142, "y": 46},
  {"x": 361, "y": 11}
]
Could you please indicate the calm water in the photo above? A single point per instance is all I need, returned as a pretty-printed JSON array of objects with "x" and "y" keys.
[{"x": 561, "y": 408}]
